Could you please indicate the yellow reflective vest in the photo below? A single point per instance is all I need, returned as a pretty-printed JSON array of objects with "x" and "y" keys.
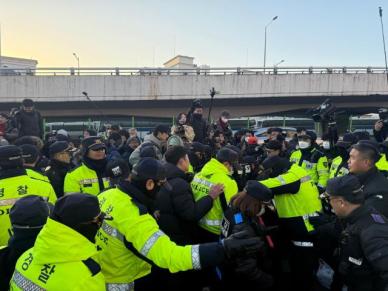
[
  {"x": 382, "y": 164},
  {"x": 317, "y": 169},
  {"x": 336, "y": 170},
  {"x": 304, "y": 203},
  {"x": 83, "y": 180},
  {"x": 61, "y": 259},
  {"x": 213, "y": 173},
  {"x": 131, "y": 239},
  {"x": 15, "y": 187}
]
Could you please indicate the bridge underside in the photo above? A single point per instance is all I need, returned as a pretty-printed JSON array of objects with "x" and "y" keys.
[{"x": 290, "y": 106}]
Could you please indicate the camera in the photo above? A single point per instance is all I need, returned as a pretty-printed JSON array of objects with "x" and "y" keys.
[
  {"x": 383, "y": 115},
  {"x": 324, "y": 112}
]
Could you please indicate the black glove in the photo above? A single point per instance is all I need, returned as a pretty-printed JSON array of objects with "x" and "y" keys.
[{"x": 241, "y": 244}]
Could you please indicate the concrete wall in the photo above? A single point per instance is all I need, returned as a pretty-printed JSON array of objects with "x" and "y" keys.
[{"x": 115, "y": 88}]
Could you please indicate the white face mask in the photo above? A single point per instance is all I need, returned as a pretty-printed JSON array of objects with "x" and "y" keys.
[
  {"x": 326, "y": 145},
  {"x": 224, "y": 120},
  {"x": 304, "y": 144}
]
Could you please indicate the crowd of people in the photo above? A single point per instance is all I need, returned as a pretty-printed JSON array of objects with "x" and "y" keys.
[{"x": 191, "y": 207}]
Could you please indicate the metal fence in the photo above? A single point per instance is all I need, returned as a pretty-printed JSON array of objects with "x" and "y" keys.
[{"x": 117, "y": 71}]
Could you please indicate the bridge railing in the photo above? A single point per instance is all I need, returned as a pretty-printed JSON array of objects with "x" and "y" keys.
[{"x": 118, "y": 71}]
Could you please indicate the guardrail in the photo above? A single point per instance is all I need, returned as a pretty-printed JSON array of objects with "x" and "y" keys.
[{"x": 117, "y": 71}]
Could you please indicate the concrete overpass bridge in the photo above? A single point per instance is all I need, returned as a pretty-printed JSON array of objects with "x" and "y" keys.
[{"x": 161, "y": 92}]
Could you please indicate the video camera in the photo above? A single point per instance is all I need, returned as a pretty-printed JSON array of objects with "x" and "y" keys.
[
  {"x": 383, "y": 115},
  {"x": 324, "y": 112}
]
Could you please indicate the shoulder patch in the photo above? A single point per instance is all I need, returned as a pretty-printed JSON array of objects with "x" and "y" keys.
[{"x": 378, "y": 218}]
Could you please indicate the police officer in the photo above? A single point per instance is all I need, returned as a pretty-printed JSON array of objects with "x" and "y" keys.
[
  {"x": 31, "y": 156},
  {"x": 133, "y": 240},
  {"x": 363, "y": 263},
  {"x": 216, "y": 171},
  {"x": 28, "y": 216},
  {"x": 296, "y": 198},
  {"x": 339, "y": 165},
  {"x": 363, "y": 157},
  {"x": 89, "y": 176},
  {"x": 15, "y": 184},
  {"x": 60, "y": 165},
  {"x": 311, "y": 159},
  {"x": 62, "y": 256}
]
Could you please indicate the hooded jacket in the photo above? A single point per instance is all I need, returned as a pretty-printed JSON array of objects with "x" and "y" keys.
[
  {"x": 149, "y": 139},
  {"x": 61, "y": 259}
]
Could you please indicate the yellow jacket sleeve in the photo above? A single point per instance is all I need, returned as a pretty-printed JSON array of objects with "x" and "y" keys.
[{"x": 144, "y": 233}]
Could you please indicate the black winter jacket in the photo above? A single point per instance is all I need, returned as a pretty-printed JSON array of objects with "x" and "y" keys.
[
  {"x": 375, "y": 190},
  {"x": 179, "y": 213}
]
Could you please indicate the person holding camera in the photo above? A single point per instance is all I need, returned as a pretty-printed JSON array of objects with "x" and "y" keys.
[{"x": 380, "y": 131}]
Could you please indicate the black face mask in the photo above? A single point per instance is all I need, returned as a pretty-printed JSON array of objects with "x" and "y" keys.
[
  {"x": 197, "y": 115},
  {"x": 343, "y": 152},
  {"x": 141, "y": 185},
  {"x": 88, "y": 230},
  {"x": 189, "y": 177}
]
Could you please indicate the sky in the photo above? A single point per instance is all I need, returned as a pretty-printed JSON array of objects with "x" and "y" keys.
[{"x": 147, "y": 33}]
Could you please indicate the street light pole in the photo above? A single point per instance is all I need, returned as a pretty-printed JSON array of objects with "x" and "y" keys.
[
  {"x": 265, "y": 40},
  {"x": 77, "y": 58},
  {"x": 382, "y": 33},
  {"x": 277, "y": 64}
]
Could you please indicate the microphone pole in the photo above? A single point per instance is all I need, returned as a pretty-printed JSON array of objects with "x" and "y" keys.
[
  {"x": 94, "y": 105},
  {"x": 213, "y": 92}
]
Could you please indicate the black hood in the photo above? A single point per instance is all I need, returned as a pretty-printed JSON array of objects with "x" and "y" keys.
[{"x": 135, "y": 193}]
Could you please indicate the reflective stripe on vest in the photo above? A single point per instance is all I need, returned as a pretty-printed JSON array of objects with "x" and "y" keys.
[
  {"x": 202, "y": 181},
  {"x": 305, "y": 179},
  {"x": 302, "y": 180},
  {"x": 281, "y": 180},
  {"x": 24, "y": 283},
  {"x": 307, "y": 216},
  {"x": 210, "y": 222},
  {"x": 8, "y": 202},
  {"x": 120, "y": 287},
  {"x": 195, "y": 257},
  {"x": 112, "y": 231},
  {"x": 91, "y": 181},
  {"x": 304, "y": 244},
  {"x": 12, "y": 201},
  {"x": 150, "y": 242}
]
